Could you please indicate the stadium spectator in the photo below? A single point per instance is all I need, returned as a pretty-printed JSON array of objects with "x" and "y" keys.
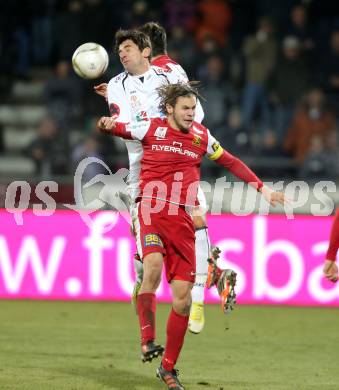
[
  {"x": 89, "y": 147},
  {"x": 179, "y": 13},
  {"x": 329, "y": 70},
  {"x": 300, "y": 28},
  {"x": 69, "y": 30},
  {"x": 48, "y": 150},
  {"x": 330, "y": 268},
  {"x": 42, "y": 30},
  {"x": 321, "y": 161},
  {"x": 98, "y": 22},
  {"x": 181, "y": 48},
  {"x": 260, "y": 54},
  {"x": 63, "y": 94},
  {"x": 312, "y": 119},
  {"x": 289, "y": 81},
  {"x": 214, "y": 20},
  {"x": 218, "y": 93},
  {"x": 15, "y": 18}
]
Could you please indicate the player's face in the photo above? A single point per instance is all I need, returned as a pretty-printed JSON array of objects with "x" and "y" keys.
[
  {"x": 132, "y": 59},
  {"x": 182, "y": 114}
]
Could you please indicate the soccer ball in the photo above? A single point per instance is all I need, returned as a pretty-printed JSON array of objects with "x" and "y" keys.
[{"x": 90, "y": 60}]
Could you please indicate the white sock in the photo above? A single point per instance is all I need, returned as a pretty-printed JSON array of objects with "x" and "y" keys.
[
  {"x": 139, "y": 270},
  {"x": 202, "y": 252}
]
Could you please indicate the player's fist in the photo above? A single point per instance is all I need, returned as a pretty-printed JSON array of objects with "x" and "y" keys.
[
  {"x": 330, "y": 271},
  {"x": 106, "y": 124},
  {"x": 101, "y": 90},
  {"x": 274, "y": 197}
]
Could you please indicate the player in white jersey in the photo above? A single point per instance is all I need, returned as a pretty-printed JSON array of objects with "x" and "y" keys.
[
  {"x": 157, "y": 35},
  {"x": 132, "y": 96}
]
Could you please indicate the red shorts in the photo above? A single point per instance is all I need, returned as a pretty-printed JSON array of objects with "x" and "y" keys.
[{"x": 171, "y": 235}]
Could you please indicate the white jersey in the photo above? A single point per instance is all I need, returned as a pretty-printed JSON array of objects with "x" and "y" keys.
[{"x": 134, "y": 99}]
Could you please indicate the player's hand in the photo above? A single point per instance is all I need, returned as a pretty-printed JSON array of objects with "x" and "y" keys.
[
  {"x": 330, "y": 271},
  {"x": 106, "y": 124},
  {"x": 274, "y": 197},
  {"x": 101, "y": 90}
]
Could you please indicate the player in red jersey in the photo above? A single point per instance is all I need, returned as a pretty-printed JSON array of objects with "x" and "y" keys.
[
  {"x": 204, "y": 272},
  {"x": 330, "y": 267},
  {"x": 129, "y": 97},
  {"x": 170, "y": 172}
]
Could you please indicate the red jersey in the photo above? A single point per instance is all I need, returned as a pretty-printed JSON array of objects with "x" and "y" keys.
[
  {"x": 168, "y": 65},
  {"x": 170, "y": 166},
  {"x": 177, "y": 72},
  {"x": 334, "y": 239}
]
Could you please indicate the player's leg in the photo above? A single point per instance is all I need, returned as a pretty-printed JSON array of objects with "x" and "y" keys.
[
  {"x": 180, "y": 272},
  {"x": 139, "y": 272},
  {"x": 176, "y": 329},
  {"x": 151, "y": 249},
  {"x": 146, "y": 304},
  {"x": 137, "y": 261},
  {"x": 202, "y": 253}
]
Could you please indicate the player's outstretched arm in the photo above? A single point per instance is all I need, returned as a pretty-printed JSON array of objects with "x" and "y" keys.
[
  {"x": 109, "y": 125},
  {"x": 243, "y": 172},
  {"x": 131, "y": 131}
]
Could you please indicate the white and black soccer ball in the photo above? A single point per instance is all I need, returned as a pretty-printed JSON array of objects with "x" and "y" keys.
[{"x": 90, "y": 60}]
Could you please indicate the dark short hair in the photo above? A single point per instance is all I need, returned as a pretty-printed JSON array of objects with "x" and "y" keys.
[
  {"x": 136, "y": 36},
  {"x": 169, "y": 93},
  {"x": 157, "y": 35}
]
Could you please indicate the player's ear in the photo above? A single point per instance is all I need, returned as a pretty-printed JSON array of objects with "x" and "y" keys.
[
  {"x": 147, "y": 52},
  {"x": 169, "y": 109}
]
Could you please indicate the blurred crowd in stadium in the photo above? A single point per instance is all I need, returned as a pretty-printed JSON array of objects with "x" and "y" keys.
[{"x": 269, "y": 72}]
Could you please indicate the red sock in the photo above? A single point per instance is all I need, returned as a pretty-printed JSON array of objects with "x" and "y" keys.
[
  {"x": 176, "y": 330},
  {"x": 146, "y": 305}
]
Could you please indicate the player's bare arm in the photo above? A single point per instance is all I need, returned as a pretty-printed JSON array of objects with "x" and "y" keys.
[{"x": 101, "y": 90}]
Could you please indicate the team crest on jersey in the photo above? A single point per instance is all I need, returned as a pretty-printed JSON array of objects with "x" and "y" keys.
[
  {"x": 216, "y": 146},
  {"x": 196, "y": 140},
  {"x": 152, "y": 240},
  {"x": 135, "y": 101},
  {"x": 141, "y": 116},
  {"x": 160, "y": 132}
]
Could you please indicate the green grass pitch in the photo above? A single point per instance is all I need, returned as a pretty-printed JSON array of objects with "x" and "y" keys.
[{"x": 95, "y": 345}]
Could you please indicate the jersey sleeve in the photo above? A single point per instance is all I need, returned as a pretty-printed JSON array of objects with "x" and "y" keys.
[
  {"x": 138, "y": 130},
  {"x": 117, "y": 101},
  {"x": 199, "y": 112},
  {"x": 214, "y": 149},
  {"x": 132, "y": 131}
]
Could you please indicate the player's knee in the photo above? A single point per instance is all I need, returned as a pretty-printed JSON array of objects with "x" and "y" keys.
[
  {"x": 151, "y": 280},
  {"x": 182, "y": 305}
]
